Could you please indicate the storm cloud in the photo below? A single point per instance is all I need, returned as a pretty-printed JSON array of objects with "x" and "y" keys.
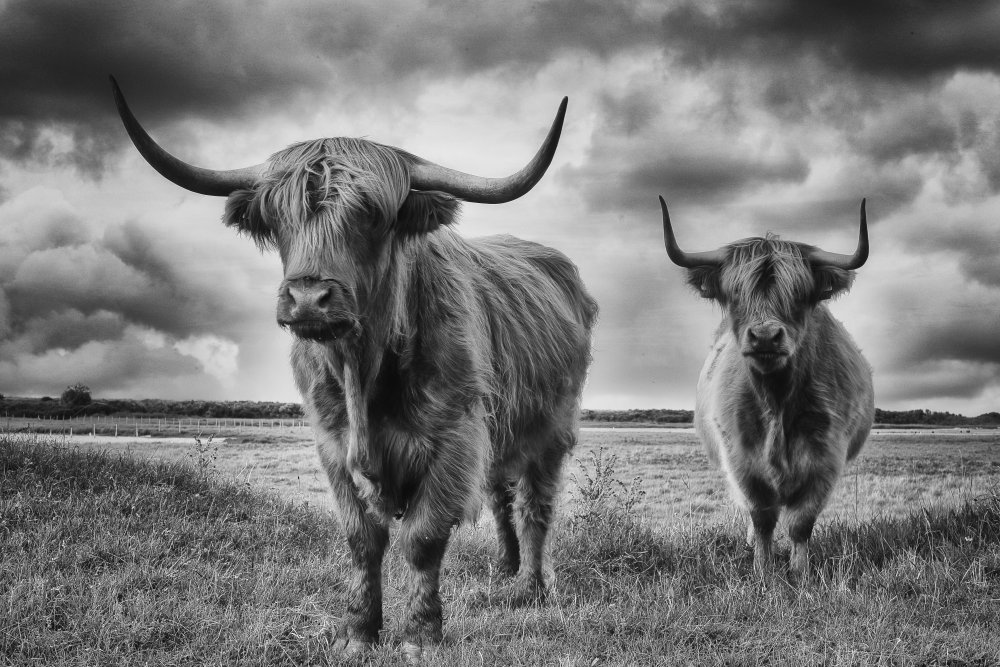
[
  {"x": 747, "y": 117},
  {"x": 893, "y": 40},
  {"x": 78, "y": 303},
  {"x": 229, "y": 61}
]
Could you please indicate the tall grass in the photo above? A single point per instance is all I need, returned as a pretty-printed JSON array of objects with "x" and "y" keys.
[{"x": 109, "y": 560}]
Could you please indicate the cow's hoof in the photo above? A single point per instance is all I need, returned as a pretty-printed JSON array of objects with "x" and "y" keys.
[
  {"x": 416, "y": 654},
  {"x": 799, "y": 577},
  {"x": 507, "y": 568},
  {"x": 527, "y": 591},
  {"x": 413, "y": 653},
  {"x": 350, "y": 648},
  {"x": 344, "y": 646},
  {"x": 799, "y": 564}
]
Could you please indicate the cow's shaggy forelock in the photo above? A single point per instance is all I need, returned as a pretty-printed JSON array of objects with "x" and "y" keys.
[
  {"x": 317, "y": 191},
  {"x": 767, "y": 278}
]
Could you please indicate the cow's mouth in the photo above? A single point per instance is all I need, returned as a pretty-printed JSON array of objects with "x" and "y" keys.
[
  {"x": 765, "y": 356},
  {"x": 767, "y": 361},
  {"x": 320, "y": 331}
]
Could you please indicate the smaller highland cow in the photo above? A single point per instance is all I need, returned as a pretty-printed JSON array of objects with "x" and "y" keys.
[{"x": 785, "y": 398}]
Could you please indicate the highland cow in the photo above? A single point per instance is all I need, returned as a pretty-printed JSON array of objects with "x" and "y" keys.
[
  {"x": 436, "y": 371},
  {"x": 785, "y": 398}
]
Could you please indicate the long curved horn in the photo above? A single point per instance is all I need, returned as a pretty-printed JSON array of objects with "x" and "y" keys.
[
  {"x": 425, "y": 175},
  {"x": 196, "y": 179},
  {"x": 688, "y": 260},
  {"x": 846, "y": 262}
]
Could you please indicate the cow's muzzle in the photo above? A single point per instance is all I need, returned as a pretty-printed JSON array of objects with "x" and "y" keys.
[
  {"x": 766, "y": 347},
  {"x": 316, "y": 310}
]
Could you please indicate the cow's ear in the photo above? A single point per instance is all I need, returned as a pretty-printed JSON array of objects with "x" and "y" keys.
[
  {"x": 707, "y": 281},
  {"x": 424, "y": 212},
  {"x": 243, "y": 213},
  {"x": 830, "y": 281}
]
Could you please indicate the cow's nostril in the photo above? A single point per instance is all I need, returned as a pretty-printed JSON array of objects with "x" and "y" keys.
[
  {"x": 323, "y": 298},
  {"x": 286, "y": 296}
]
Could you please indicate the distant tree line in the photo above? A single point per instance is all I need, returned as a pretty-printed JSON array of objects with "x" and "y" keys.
[
  {"x": 888, "y": 417},
  {"x": 149, "y": 407},
  {"x": 76, "y": 401},
  {"x": 932, "y": 418},
  {"x": 652, "y": 416}
]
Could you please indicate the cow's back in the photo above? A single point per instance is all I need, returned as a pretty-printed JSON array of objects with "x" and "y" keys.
[
  {"x": 849, "y": 378},
  {"x": 539, "y": 318}
]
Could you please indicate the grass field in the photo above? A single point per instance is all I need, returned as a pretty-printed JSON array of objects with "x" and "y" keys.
[{"x": 225, "y": 553}]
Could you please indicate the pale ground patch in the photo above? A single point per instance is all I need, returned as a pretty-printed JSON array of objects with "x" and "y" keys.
[{"x": 898, "y": 471}]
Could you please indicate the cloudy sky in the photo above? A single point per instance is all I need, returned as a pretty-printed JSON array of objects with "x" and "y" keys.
[{"x": 747, "y": 116}]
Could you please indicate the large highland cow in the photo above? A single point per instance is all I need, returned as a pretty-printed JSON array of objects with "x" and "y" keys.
[
  {"x": 785, "y": 398},
  {"x": 436, "y": 371}
]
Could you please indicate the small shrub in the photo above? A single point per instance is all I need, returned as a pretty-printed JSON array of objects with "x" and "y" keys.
[
  {"x": 76, "y": 395},
  {"x": 204, "y": 455},
  {"x": 602, "y": 496},
  {"x": 606, "y": 532}
]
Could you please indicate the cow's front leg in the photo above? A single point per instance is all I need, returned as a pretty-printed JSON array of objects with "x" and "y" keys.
[
  {"x": 803, "y": 508},
  {"x": 366, "y": 538},
  {"x": 799, "y": 531},
  {"x": 423, "y": 548},
  {"x": 762, "y": 501}
]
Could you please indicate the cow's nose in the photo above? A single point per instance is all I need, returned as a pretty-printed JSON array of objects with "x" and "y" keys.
[
  {"x": 766, "y": 336},
  {"x": 305, "y": 302},
  {"x": 316, "y": 299}
]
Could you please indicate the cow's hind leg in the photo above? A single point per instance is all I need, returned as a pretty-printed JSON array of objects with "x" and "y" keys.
[
  {"x": 502, "y": 501},
  {"x": 536, "y": 491}
]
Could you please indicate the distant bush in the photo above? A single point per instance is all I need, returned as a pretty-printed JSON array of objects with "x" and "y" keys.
[{"x": 76, "y": 395}]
